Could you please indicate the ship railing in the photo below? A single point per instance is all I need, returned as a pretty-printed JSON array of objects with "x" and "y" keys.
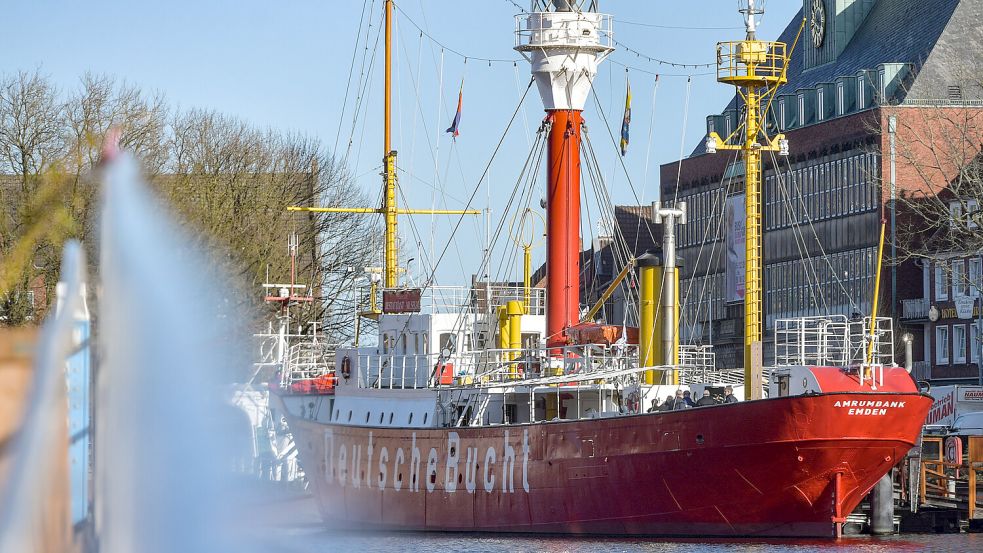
[
  {"x": 491, "y": 366},
  {"x": 833, "y": 341},
  {"x": 306, "y": 360},
  {"x": 700, "y": 356},
  {"x": 592, "y": 361},
  {"x": 454, "y": 300},
  {"x": 589, "y": 30}
]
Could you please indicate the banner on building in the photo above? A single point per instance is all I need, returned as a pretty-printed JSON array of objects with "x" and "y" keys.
[{"x": 734, "y": 219}]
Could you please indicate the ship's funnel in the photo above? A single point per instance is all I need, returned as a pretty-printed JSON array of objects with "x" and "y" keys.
[{"x": 564, "y": 46}]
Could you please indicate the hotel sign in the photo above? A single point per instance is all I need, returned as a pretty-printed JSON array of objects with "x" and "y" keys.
[
  {"x": 962, "y": 307},
  {"x": 401, "y": 301}
]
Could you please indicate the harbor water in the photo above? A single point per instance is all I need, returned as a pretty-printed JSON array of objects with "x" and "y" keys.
[{"x": 316, "y": 540}]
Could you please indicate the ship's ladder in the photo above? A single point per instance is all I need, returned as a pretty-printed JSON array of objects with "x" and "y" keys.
[
  {"x": 468, "y": 404},
  {"x": 479, "y": 413}
]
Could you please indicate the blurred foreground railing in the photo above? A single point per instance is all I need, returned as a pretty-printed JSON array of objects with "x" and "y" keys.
[{"x": 33, "y": 505}]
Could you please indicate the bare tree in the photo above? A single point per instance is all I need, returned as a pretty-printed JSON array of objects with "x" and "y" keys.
[
  {"x": 940, "y": 180},
  {"x": 231, "y": 181}
]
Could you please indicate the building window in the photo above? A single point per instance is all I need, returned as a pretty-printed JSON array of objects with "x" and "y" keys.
[
  {"x": 882, "y": 86},
  {"x": 781, "y": 114},
  {"x": 840, "y": 99},
  {"x": 958, "y": 278},
  {"x": 819, "y": 103},
  {"x": 959, "y": 344},
  {"x": 974, "y": 276},
  {"x": 802, "y": 110},
  {"x": 972, "y": 207},
  {"x": 941, "y": 282},
  {"x": 974, "y": 344},
  {"x": 942, "y": 345},
  {"x": 861, "y": 93},
  {"x": 727, "y": 125},
  {"x": 955, "y": 213}
]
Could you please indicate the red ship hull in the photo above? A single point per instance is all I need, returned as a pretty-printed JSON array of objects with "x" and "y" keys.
[{"x": 790, "y": 467}]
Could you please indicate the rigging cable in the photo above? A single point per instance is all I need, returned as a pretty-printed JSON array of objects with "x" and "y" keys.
[
  {"x": 448, "y": 48},
  {"x": 624, "y": 168},
  {"x": 682, "y": 140},
  {"x": 648, "y": 152},
  {"x": 474, "y": 192},
  {"x": 351, "y": 71}
]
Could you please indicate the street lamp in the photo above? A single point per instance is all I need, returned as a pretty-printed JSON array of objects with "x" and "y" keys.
[{"x": 908, "y": 338}]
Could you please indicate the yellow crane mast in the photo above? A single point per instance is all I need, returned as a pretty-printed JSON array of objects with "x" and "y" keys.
[{"x": 757, "y": 69}]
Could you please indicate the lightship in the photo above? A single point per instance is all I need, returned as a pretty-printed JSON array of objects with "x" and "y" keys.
[{"x": 502, "y": 409}]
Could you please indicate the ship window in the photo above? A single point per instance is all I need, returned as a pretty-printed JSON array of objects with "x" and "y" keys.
[
  {"x": 411, "y": 419},
  {"x": 425, "y": 418},
  {"x": 380, "y": 417},
  {"x": 390, "y": 418},
  {"x": 367, "y": 417},
  {"x": 448, "y": 341},
  {"x": 337, "y": 414},
  {"x": 404, "y": 343},
  {"x": 349, "y": 415}
]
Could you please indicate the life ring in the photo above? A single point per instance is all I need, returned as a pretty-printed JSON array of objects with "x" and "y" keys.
[
  {"x": 346, "y": 367},
  {"x": 632, "y": 402}
]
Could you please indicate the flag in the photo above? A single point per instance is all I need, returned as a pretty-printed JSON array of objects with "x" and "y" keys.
[
  {"x": 457, "y": 116},
  {"x": 627, "y": 120}
]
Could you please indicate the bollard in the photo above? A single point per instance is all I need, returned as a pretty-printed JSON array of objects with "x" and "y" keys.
[{"x": 882, "y": 506}]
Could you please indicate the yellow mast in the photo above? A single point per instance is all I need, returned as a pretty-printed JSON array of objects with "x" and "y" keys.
[
  {"x": 389, "y": 208},
  {"x": 872, "y": 339},
  {"x": 389, "y": 161},
  {"x": 756, "y": 68}
]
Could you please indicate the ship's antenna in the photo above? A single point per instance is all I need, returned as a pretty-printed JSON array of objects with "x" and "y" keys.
[{"x": 749, "y": 12}]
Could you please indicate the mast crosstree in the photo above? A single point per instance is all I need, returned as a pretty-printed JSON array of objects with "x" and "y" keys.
[{"x": 756, "y": 68}]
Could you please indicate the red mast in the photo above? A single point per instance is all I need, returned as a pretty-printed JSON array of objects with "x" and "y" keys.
[
  {"x": 564, "y": 41},
  {"x": 563, "y": 224}
]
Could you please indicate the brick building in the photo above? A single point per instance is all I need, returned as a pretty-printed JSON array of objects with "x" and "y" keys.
[{"x": 878, "y": 73}]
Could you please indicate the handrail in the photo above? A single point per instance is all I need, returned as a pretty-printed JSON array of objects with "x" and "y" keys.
[{"x": 27, "y": 485}]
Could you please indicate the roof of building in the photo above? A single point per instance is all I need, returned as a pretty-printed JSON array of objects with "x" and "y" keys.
[
  {"x": 895, "y": 31},
  {"x": 941, "y": 40}
]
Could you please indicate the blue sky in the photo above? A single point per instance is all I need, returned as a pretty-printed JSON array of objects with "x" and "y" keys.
[{"x": 285, "y": 65}]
